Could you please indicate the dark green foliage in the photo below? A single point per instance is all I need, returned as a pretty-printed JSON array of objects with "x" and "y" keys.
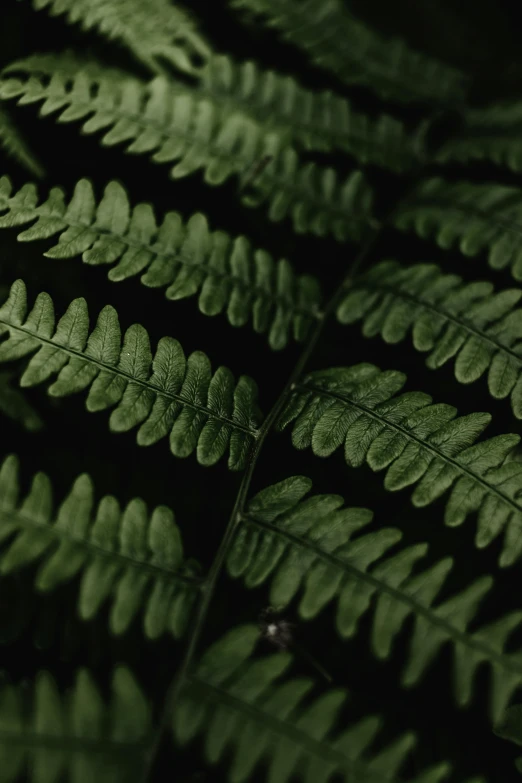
[
  {"x": 355, "y": 135},
  {"x": 164, "y": 393}
]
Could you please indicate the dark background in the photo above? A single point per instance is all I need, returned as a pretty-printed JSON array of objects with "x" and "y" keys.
[{"x": 41, "y": 632}]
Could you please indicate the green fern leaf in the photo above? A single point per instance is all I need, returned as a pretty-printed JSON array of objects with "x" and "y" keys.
[
  {"x": 185, "y": 256},
  {"x": 14, "y": 145},
  {"x": 307, "y": 548},
  {"x": 315, "y": 120},
  {"x": 417, "y": 442},
  {"x": 473, "y": 217},
  {"x": 491, "y": 133},
  {"x": 201, "y": 411},
  {"x": 14, "y": 405},
  {"x": 156, "y": 32},
  {"x": 355, "y": 54},
  {"x": 131, "y": 555},
  {"x": 240, "y": 703},
  {"x": 198, "y": 133},
  {"x": 49, "y": 735},
  {"x": 448, "y": 318}
]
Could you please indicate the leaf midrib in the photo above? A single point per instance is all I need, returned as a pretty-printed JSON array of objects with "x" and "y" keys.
[
  {"x": 240, "y": 161},
  {"x": 24, "y": 522},
  {"x": 307, "y": 744},
  {"x": 427, "y": 612},
  {"x": 255, "y": 291},
  {"x": 434, "y": 308},
  {"x": 424, "y": 444},
  {"x": 130, "y": 379}
]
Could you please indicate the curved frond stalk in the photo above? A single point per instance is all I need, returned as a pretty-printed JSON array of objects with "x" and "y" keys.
[
  {"x": 314, "y": 120},
  {"x": 184, "y": 256},
  {"x": 165, "y": 394},
  {"x": 132, "y": 556},
  {"x": 177, "y": 124},
  {"x": 241, "y": 705},
  {"x": 416, "y": 442},
  {"x": 447, "y": 317},
  {"x": 491, "y": 133},
  {"x": 14, "y": 405},
  {"x": 345, "y": 46},
  {"x": 51, "y": 735},
  {"x": 14, "y": 145},
  {"x": 157, "y": 32},
  {"x": 472, "y": 217},
  {"x": 306, "y": 548}
]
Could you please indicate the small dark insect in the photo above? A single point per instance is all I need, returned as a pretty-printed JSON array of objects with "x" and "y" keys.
[
  {"x": 254, "y": 171},
  {"x": 279, "y": 632},
  {"x": 276, "y": 630}
]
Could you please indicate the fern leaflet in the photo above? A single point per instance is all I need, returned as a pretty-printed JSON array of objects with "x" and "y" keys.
[
  {"x": 356, "y": 54},
  {"x": 238, "y": 703},
  {"x": 447, "y": 317},
  {"x": 417, "y": 442},
  {"x": 317, "y": 121},
  {"x": 307, "y": 547},
  {"x": 14, "y": 405},
  {"x": 491, "y": 133},
  {"x": 131, "y": 555},
  {"x": 199, "y": 134},
  {"x": 201, "y": 411},
  {"x": 474, "y": 217},
  {"x": 50, "y": 735},
  {"x": 155, "y": 32},
  {"x": 14, "y": 145},
  {"x": 187, "y": 257}
]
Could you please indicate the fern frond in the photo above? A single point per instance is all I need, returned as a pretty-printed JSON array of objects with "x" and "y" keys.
[
  {"x": 417, "y": 442},
  {"x": 356, "y": 54},
  {"x": 48, "y": 735},
  {"x": 12, "y": 142},
  {"x": 315, "y": 120},
  {"x": 473, "y": 217},
  {"x": 185, "y": 256},
  {"x": 447, "y": 317},
  {"x": 241, "y": 704},
  {"x": 154, "y": 32},
  {"x": 132, "y": 556},
  {"x": 307, "y": 548},
  {"x": 197, "y": 132},
  {"x": 14, "y": 405},
  {"x": 165, "y": 395},
  {"x": 491, "y": 133}
]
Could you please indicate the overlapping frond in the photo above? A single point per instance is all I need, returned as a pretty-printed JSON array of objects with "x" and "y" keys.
[
  {"x": 48, "y": 735},
  {"x": 491, "y": 133},
  {"x": 176, "y": 124},
  {"x": 473, "y": 217},
  {"x": 15, "y": 406},
  {"x": 241, "y": 705},
  {"x": 156, "y": 32},
  {"x": 314, "y": 120},
  {"x": 356, "y": 54},
  {"x": 14, "y": 145},
  {"x": 132, "y": 556},
  {"x": 184, "y": 256},
  {"x": 449, "y": 318},
  {"x": 316, "y": 549},
  {"x": 416, "y": 442},
  {"x": 165, "y": 394}
]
